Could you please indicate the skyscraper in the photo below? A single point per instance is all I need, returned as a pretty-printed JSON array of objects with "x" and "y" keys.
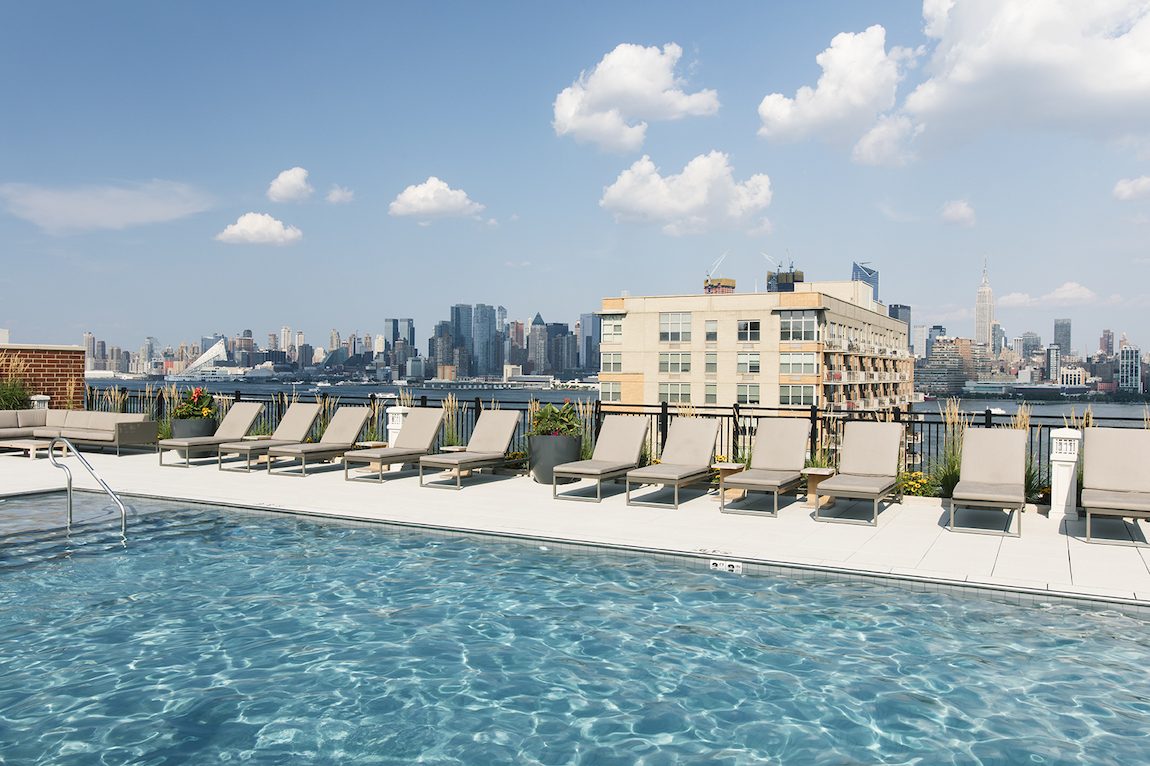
[
  {"x": 984, "y": 311},
  {"x": 285, "y": 338},
  {"x": 537, "y": 345},
  {"x": 407, "y": 331},
  {"x": 860, "y": 272},
  {"x": 1130, "y": 369},
  {"x": 901, "y": 313},
  {"x": 1053, "y": 362},
  {"x": 485, "y": 338},
  {"x": 589, "y": 331},
  {"x": 461, "y": 315},
  {"x": 333, "y": 341},
  {"x": 1062, "y": 335},
  {"x": 390, "y": 333},
  {"x": 934, "y": 333},
  {"x": 1106, "y": 343}
]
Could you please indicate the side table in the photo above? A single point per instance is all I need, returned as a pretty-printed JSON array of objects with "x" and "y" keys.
[
  {"x": 725, "y": 470},
  {"x": 815, "y": 477}
]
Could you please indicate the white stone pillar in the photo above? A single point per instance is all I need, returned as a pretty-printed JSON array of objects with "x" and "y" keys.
[
  {"x": 40, "y": 401},
  {"x": 1064, "y": 448},
  {"x": 395, "y": 417}
]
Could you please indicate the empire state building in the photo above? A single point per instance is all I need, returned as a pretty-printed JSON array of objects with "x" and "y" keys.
[{"x": 984, "y": 311}]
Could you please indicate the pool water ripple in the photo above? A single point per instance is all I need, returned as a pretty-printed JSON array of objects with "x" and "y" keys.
[{"x": 215, "y": 636}]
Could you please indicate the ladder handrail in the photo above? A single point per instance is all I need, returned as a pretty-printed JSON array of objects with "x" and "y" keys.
[{"x": 92, "y": 471}]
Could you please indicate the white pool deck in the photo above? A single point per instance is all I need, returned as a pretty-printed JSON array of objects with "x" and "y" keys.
[{"x": 910, "y": 543}]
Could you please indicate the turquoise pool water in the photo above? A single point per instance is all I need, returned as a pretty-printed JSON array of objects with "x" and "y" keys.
[{"x": 215, "y": 636}]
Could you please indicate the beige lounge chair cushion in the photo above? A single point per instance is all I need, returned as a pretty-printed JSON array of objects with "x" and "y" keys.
[
  {"x": 456, "y": 459},
  {"x": 315, "y": 448},
  {"x": 345, "y": 426},
  {"x": 690, "y": 442},
  {"x": 420, "y": 427},
  {"x": 77, "y": 419},
  {"x": 15, "y": 433},
  {"x": 856, "y": 484},
  {"x": 10, "y": 418},
  {"x": 384, "y": 454},
  {"x": 193, "y": 441},
  {"x": 493, "y": 432},
  {"x": 1113, "y": 500},
  {"x": 666, "y": 472},
  {"x": 781, "y": 444},
  {"x": 620, "y": 440},
  {"x": 870, "y": 449},
  {"x": 237, "y": 422},
  {"x": 593, "y": 467},
  {"x": 762, "y": 478},
  {"x": 296, "y": 423},
  {"x": 45, "y": 433},
  {"x": 1115, "y": 459},
  {"x": 88, "y": 434},
  {"x": 253, "y": 446},
  {"x": 55, "y": 418},
  {"x": 983, "y": 492},
  {"x": 994, "y": 456}
]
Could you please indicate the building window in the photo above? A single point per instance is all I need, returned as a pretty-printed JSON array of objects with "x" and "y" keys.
[
  {"x": 795, "y": 396},
  {"x": 712, "y": 330},
  {"x": 611, "y": 362},
  {"x": 674, "y": 362},
  {"x": 610, "y": 391},
  {"x": 747, "y": 363},
  {"x": 797, "y": 364},
  {"x": 710, "y": 394},
  {"x": 611, "y": 328},
  {"x": 748, "y": 393},
  {"x": 711, "y": 363},
  {"x": 675, "y": 326},
  {"x": 748, "y": 330},
  {"x": 798, "y": 325},
  {"x": 675, "y": 393}
]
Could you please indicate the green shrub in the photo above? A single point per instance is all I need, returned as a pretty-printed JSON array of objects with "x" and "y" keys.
[{"x": 14, "y": 396}]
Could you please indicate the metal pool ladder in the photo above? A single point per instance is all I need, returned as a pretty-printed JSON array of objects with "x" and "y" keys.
[{"x": 99, "y": 480}]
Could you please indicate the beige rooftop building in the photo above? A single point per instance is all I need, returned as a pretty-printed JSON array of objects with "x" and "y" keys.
[{"x": 827, "y": 343}]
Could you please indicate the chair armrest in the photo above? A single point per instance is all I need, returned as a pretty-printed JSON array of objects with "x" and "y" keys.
[{"x": 144, "y": 432}]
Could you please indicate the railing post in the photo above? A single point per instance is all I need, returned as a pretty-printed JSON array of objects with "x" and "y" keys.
[
  {"x": 814, "y": 429},
  {"x": 423, "y": 400},
  {"x": 735, "y": 429},
  {"x": 478, "y": 406},
  {"x": 664, "y": 424},
  {"x": 987, "y": 418},
  {"x": 89, "y": 397},
  {"x": 238, "y": 396},
  {"x": 597, "y": 419}
]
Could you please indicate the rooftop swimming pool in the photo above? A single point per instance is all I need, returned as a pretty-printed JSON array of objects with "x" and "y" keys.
[{"x": 218, "y": 635}]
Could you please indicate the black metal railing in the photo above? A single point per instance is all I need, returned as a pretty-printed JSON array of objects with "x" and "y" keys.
[{"x": 926, "y": 431}]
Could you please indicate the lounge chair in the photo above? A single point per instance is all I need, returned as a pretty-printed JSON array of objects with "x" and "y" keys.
[
  {"x": 420, "y": 428},
  {"x": 1115, "y": 481},
  {"x": 293, "y": 429},
  {"x": 992, "y": 473},
  {"x": 233, "y": 427},
  {"x": 487, "y": 448},
  {"x": 777, "y": 460},
  {"x": 868, "y": 467},
  {"x": 686, "y": 458},
  {"x": 339, "y": 437},
  {"x": 618, "y": 450}
]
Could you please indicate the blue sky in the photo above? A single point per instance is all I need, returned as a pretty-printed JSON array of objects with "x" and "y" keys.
[{"x": 137, "y": 138}]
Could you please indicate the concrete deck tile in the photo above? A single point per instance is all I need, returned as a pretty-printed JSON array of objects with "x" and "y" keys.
[{"x": 969, "y": 554}]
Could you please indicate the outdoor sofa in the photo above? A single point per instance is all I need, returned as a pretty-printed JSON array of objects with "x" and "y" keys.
[
  {"x": 82, "y": 428},
  {"x": 618, "y": 449}
]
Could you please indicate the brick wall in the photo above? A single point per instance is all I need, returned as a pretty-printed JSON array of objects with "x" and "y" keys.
[{"x": 55, "y": 371}]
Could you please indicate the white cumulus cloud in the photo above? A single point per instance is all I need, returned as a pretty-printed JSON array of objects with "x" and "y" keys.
[
  {"x": 887, "y": 143},
  {"x": 958, "y": 211},
  {"x": 859, "y": 82},
  {"x": 703, "y": 196},
  {"x": 1066, "y": 294},
  {"x": 434, "y": 199},
  {"x": 290, "y": 186},
  {"x": 259, "y": 229},
  {"x": 340, "y": 195},
  {"x": 62, "y": 210},
  {"x": 610, "y": 106},
  {"x": 1132, "y": 188}
]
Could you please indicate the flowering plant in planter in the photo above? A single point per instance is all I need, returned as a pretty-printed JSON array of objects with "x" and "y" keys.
[
  {"x": 196, "y": 403},
  {"x": 550, "y": 420}
]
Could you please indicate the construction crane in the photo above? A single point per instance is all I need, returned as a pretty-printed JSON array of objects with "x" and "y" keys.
[{"x": 713, "y": 285}]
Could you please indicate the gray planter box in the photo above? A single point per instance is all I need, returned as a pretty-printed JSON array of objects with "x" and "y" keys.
[
  {"x": 191, "y": 428},
  {"x": 546, "y": 452}
]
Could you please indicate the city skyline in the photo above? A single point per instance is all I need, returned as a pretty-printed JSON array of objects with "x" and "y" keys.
[{"x": 914, "y": 139}]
